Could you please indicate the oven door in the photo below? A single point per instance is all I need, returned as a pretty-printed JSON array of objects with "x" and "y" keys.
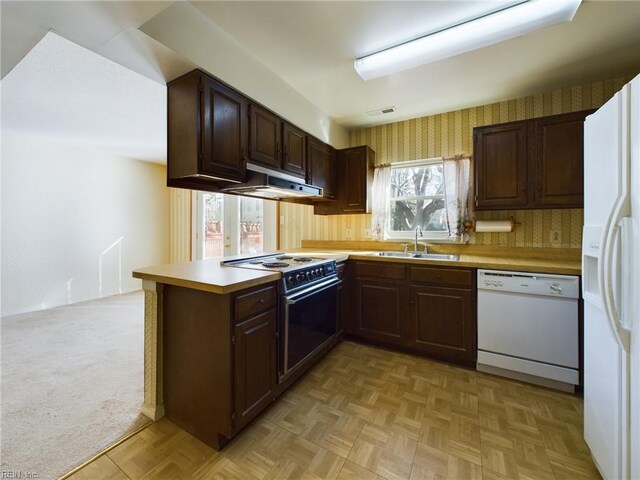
[{"x": 309, "y": 323}]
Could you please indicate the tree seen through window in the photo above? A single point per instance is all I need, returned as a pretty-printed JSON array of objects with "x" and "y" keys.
[{"x": 417, "y": 198}]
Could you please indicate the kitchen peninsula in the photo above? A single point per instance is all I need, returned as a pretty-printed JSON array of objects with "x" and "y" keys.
[{"x": 219, "y": 369}]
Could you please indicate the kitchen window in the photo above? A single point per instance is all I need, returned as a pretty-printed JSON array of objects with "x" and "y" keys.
[
  {"x": 230, "y": 225},
  {"x": 417, "y": 199},
  {"x": 432, "y": 194}
]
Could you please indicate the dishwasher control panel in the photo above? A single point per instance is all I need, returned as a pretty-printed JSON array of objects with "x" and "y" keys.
[{"x": 531, "y": 283}]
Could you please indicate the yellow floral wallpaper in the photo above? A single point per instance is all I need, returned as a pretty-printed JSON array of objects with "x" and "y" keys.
[{"x": 447, "y": 134}]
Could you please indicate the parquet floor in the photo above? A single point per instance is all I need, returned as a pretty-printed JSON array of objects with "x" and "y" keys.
[{"x": 367, "y": 413}]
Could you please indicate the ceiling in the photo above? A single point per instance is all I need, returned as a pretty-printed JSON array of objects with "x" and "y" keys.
[{"x": 311, "y": 47}]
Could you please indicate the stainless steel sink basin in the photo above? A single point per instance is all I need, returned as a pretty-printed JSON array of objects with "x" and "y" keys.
[{"x": 419, "y": 255}]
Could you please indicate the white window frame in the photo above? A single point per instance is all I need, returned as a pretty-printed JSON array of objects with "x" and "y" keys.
[
  {"x": 231, "y": 225},
  {"x": 394, "y": 235}
]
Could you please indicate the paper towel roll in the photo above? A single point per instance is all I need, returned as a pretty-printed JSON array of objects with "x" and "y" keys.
[{"x": 494, "y": 225}]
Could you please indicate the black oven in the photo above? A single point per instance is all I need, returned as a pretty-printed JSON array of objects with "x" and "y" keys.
[
  {"x": 308, "y": 310},
  {"x": 308, "y": 322}
]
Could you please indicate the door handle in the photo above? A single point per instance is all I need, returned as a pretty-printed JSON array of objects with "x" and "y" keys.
[{"x": 619, "y": 211}]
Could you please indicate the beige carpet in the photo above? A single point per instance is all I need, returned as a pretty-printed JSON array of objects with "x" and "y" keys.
[{"x": 72, "y": 383}]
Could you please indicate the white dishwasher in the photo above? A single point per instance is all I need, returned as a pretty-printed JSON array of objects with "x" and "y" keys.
[{"x": 528, "y": 327}]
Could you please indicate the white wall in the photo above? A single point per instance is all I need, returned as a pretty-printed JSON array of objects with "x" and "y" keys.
[{"x": 62, "y": 207}]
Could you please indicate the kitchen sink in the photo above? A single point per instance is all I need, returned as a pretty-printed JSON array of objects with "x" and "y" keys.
[{"x": 419, "y": 255}]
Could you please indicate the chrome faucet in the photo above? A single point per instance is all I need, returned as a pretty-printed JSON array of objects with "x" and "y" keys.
[{"x": 418, "y": 229}]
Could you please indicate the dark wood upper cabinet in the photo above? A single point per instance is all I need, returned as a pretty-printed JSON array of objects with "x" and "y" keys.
[
  {"x": 264, "y": 137},
  {"x": 321, "y": 162},
  {"x": 354, "y": 189},
  {"x": 354, "y": 177},
  {"x": 213, "y": 130},
  {"x": 500, "y": 154},
  {"x": 535, "y": 163},
  {"x": 294, "y": 149},
  {"x": 276, "y": 143},
  {"x": 559, "y": 160},
  {"x": 207, "y": 131}
]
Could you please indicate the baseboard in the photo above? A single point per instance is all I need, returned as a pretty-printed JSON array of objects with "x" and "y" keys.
[{"x": 154, "y": 413}]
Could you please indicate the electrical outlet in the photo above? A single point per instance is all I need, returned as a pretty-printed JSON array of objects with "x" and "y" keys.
[
  {"x": 367, "y": 233},
  {"x": 347, "y": 233},
  {"x": 281, "y": 219},
  {"x": 555, "y": 237}
]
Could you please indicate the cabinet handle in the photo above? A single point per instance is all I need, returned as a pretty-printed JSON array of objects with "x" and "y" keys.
[
  {"x": 278, "y": 147},
  {"x": 261, "y": 300}
]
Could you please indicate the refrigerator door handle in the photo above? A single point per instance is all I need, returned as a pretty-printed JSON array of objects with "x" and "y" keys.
[{"x": 605, "y": 272}]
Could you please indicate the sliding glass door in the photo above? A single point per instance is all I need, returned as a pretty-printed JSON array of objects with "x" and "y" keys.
[{"x": 230, "y": 225}]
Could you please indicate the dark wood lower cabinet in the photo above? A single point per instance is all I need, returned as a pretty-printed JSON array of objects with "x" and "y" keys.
[
  {"x": 379, "y": 306},
  {"x": 428, "y": 310},
  {"x": 219, "y": 359},
  {"x": 255, "y": 366},
  {"x": 196, "y": 359},
  {"x": 442, "y": 322},
  {"x": 220, "y": 351}
]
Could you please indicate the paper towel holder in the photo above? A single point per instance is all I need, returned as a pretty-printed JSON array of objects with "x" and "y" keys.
[{"x": 471, "y": 224}]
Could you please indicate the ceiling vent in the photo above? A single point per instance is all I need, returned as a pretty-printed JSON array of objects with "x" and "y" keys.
[{"x": 381, "y": 111}]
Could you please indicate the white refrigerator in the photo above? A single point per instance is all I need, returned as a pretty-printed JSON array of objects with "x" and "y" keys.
[{"x": 611, "y": 284}]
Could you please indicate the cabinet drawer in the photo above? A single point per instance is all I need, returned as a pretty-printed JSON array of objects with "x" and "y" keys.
[
  {"x": 442, "y": 276},
  {"x": 255, "y": 301},
  {"x": 380, "y": 270}
]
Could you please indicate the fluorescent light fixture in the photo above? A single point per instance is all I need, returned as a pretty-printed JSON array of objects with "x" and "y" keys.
[{"x": 481, "y": 32}]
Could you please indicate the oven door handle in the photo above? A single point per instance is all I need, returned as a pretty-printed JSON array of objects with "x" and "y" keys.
[{"x": 319, "y": 287}]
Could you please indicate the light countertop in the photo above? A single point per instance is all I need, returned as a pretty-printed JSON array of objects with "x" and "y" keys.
[{"x": 208, "y": 275}]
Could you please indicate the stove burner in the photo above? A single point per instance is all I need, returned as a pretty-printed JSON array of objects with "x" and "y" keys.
[
  {"x": 284, "y": 257},
  {"x": 303, "y": 259},
  {"x": 255, "y": 262},
  {"x": 275, "y": 264}
]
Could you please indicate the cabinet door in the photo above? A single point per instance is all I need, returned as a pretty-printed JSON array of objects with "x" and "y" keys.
[
  {"x": 264, "y": 137},
  {"x": 295, "y": 152},
  {"x": 255, "y": 366},
  {"x": 354, "y": 180},
  {"x": 559, "y": 161},
  {"x": 321, "y": 166},
  {"x": 223, "y": 131},
  {"x": 443, "y": 323},
  {"x": 500, "y": 154},
  {"x": 379, "y": 310}
]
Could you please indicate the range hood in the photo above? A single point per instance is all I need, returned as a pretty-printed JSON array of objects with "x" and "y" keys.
[{"x": 264, "y": 183}]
